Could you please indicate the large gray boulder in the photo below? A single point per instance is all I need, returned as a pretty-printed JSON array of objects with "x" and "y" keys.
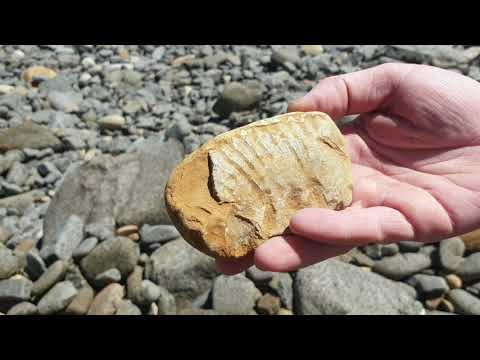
[
  {"x": 336, "y": 288},
  {"x": 122, "y": 190}
]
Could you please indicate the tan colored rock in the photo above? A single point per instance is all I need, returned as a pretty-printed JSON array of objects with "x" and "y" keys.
[
  {"x": 472, "y": 240},
  {"x": 312, "y": 50},
  {"x": 454, "y": 281},
  {"x": 107, "y": 300},
  {"x": 38, "y": 72},
  {"x": 134, "y": 237},
  {"x": 25, "y": 246},
  {"x": 283, "y": 311},
  {"x": 81, "y": 303},
  {"x": 242, "y": 187},
  {"x": 127, "y": 230}
]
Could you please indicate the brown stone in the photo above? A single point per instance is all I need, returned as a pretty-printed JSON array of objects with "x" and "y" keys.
[
  {"x": 38, "y": 72},
  {"x": 127, "y": 230},
  {"x": 81, "y": 303},
  {"x": 454, "y": 281},
  {"x": 134, "y": 237},
  {"x": 268, "y": 305},
  {"x": 472, "y": 240},
  {"x": 25, "y": 246},
  {"x": 242, "y": 187},
  {"x": 107, "y": 300}
]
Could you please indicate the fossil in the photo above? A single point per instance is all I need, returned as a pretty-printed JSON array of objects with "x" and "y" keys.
[{"x": 241, "y": 188}]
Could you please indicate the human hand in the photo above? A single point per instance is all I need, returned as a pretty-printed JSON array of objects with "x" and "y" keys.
[{"x": 415, "y": 150}]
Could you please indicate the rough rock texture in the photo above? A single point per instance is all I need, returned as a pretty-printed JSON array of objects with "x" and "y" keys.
[
  {"x": 182, "y": 270},
  {"x": 127, "y": 189},
  {"x": 335, "y": 288},
  {"x": 247, "y": 183}
]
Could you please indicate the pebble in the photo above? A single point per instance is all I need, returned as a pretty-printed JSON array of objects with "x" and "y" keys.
[
  {"x": 235, "y": 295},
  {"x": 446, "y": 306},
  {"x": 127, "y": 230},
  {"x": 24, "y": 308},
  {"x": 9, "y": 263},
  {"x": 268, "y": 305},
  {"x": 259, "y": 276},
  {"x": 283, "y": 311},
  {"x": 469, "y": 269},
  {"x": 158, "y": 234},
  {"x": 35, "y": 265},
  {"x": 410, "y": 246},
  {"x": 82, "y": 301},
  {"x": 474, "y": 289},
  {"x": 38, "y": 72},
  {"x": 107, "y": 277},
  {"x": 282, "y": 286},
  {"x": 166, "y": 303},
  {"x": 432, "y": 304},
  {"x": 57, "y": 299},
  {"x": 120, "y": 253},
  {"x": 153, "y": 309},
  {"x": 112, "y": 122},
  {"x": 429, "y": 286},
  {"x": 464, "y": 302},
  {"x": 237, "y": 97},
  {"x": 389, "y": 250},
  {"x": 85, "y": 247},
  {"x": 55, "y": 273},
  {"x": 400, "y": 266},
  {"x": 454, "y": 281},
  {"x": 451, "y": 253},
  {"x": 15, "y": 290},
  {"x": 65, "y": 102},
  {"x": 373, "y": 251},
  {"x": 107, "y": 301},
  {"x": 127, "y": 308},
  {"x": 6, "y": 89}
]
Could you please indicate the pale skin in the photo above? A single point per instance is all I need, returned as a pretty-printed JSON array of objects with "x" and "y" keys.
[{"x": 415, "y": 152}]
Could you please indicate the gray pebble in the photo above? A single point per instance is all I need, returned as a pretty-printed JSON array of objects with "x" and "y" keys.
[
  {"x": 158, "y": 234},
  {"x": 57, "y": 299},
  {"x": 428, "y": 286},
  {"x": 451, "y": 253},
  {"x": 127, "y": 308},
  {"x": 464, "y": 303},
  {"x": 55, "y": 273},
  {"x": 410, "y": 246},
  {"x": 85, "y": 247},
  {"x": 23, "y": 308},
  {"x": 107, "y": 277}
]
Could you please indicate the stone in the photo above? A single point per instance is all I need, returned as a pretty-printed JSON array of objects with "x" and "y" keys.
[
  {"x": 454, "y": 281},
  {"x": 474, "y": 289},
  {"x": 233, "y": 204},
  {"x": 335, "y": 288},
  {"x": 75, "y": 276},
  {"x": 54, "y": 274},
  {"x": 146, "y": 293},
  {"x": 268, "y": 305},
  {"x": 400, "y": 266},
  {"x": 127, "y": 230},
  {"x": 432, "y": 304},
  {"x": 469, "y": 269},
  {"x": 28, "y": 135},
  {"x": 112, "y": 122},
  {"x": 153, "y": 309},
  {"x": 82, "y": 301},
  {"x": 313, "y": 50},
  {"x": 166, "y": 303},
  {"x": 282, "y": 286},
  {"x": 35, "y": 265},
  {"x": 158, "y": 234},
  {"x": 6, "y": 89},
  {"x": 284, "y": 312},
  {"x": 120, "y": 253},
  {"x": 107, "y": 301},
  {"x": 410, "y": 246},
  {"x": 259, "y": 276},
  {"x": 101, "y": 231},
  {"x": 389, "y": 250},
  {"x": 23, "y": 308},
  {"x": 428, "y": 286},
  {"x": 4, "y": 235},
  {"x": 285, "y": 54},
  {"x": 237, "y": 97},
  {"x": 451, "y": 253},
  {"x": 85, "y": 247},
  {"x": 14, "y": 290},
  {"x": 35, "y": 73},
  {"x": 21, "y": 202},
  {"x": 359, "y": 258},
  {"x": 235, "y": 295},
  {"x": 100, "y": 191},
  {"x": 66, "y": 240},
  {"x": 446, "y": 306},
  {"x": 472, "y": 240},
  {"x": 18, "y": 174},
  {"x": 182, "y": 270},
  {"x": 107, "y": 277},
  {"x": 134, "y": 284},
  {"x": 9, "y": 264},
  {"x": 127, "y": 308},
  {"x": 57, "y": 299},
  {"x": 198, "y": 312},
  {"x": 66, "y": 102},
  {"x": 464, "y": 303}
]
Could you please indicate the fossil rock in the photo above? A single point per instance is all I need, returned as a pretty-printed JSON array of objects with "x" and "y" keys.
[{"x": 242, "y": 187}]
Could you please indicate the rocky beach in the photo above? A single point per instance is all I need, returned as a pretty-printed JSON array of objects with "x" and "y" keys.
[{"x": 89, "y": 135}]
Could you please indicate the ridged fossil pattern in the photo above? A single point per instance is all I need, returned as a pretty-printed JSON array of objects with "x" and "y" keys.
[{"x": 242, "y": 187}]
